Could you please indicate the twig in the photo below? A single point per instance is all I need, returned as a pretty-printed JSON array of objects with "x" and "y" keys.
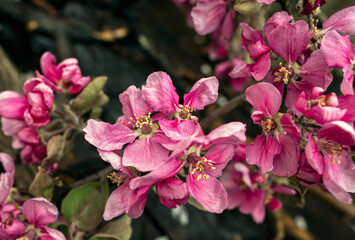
[
  {"x": 99, "y": 175},
  {"x": 226, "y": 108},
  {"x": 346, "y": 209}
]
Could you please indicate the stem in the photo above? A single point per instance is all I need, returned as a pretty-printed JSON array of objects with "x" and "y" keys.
[
  {"x": 226, "y": 108},
  {"x": 100, "y": 174}
]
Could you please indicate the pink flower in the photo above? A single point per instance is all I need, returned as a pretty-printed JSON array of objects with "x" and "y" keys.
[
  {"x": 336, "y": 168},
  {"x": 246, "y": 191},
  {"x": 39, "y": 213},
  {"x": 159, "y": 92},
  {"x": 144, "y": 153},
  {"x": 10, "y": 225},
  {"x": 272, "y": 150},
  {"x": 66, "y": 75},
  {"x": 6, "y": 178},
  {"x": 342, "y": 21}
]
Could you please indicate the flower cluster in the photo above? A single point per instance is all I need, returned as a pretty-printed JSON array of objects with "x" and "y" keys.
[
  {"x": 160, "y": 142},
  {"x": 21, "y": 116},
  {"x": 24, "y": 220}
]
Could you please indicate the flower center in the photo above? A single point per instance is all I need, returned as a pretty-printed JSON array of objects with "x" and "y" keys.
[
  {"x": 117, "y": 177},
  {"x": 283, "y": 74},
  {"x": 143, "y": 123},
  {"x": 200, "y": 164},
  {"x": 185, "y": 112},
  {"x": 268, "y": 124},
  {"x": 332, "y": 150}
]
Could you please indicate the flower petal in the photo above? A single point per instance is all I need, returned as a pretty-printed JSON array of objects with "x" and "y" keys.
[{"x": 39, "y": 212}]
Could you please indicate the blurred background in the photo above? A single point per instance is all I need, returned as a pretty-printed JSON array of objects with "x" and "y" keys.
[{"x": 127, "y": 40}]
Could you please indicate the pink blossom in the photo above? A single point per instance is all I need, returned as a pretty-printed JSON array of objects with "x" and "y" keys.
[
  {"x": 144, "y": 153},
  {"x": 343, "y": 21},
  {"x": 66, "y": 75},
  {"x": 10, "y": 225},
  {"x": 39, "y": 212},
  {"x": 272, "y": 150},
  {"x": 336, "y": 168}
]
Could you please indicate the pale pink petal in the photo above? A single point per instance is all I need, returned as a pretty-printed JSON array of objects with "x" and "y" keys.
[
  {"x": 172, "y": 192},
  {"x": 342, "y": 173},
  {"x": 339, "y": 132},
  {"x": 112, "y": 157},
  {"x": 166, "y": 170},
  {"x": 343, "y": 21},
  {"x": 244, "y": 170},
  {"x": 145, "y": 155},
  {"x": 51, "y": 234},
  {"x": 207, "y": 15},
  {"x": 106, "y": 136},
  {"x": 178, "y": 129},
  {"x": 209, "y": 192},
  {"x": 336, "y": 191},
  {"x": 240, "y": 70},
  {"x": 262, "y": 151},
  {"x": 133, "y": 104},
  {"x": 289, "y": 40},
  {"x": 325, "y": 114},
  {"x": 202, "y": 93},
  {"x": 265, "y": 1},
  {"x": 230, "y": 133},
  {"x": 160, "y": 92},
  {"x": 264, "y": 97},
  {"x": 118, "y": 201},
  {"x": 11, "y": 127},
  {"x": 227, "y": 28},
  {"x": 7, "y": 163},
  {"x": 39, "y": 212},
  {"x": 253, "y": 203},
  {"x": 283, "y": 190}
]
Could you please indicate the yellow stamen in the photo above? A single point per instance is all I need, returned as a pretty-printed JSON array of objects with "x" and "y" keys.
[
  {"x": 117, "y": 177},
  {"x": 283, "y": 74},
  {"x": 200, "y": 167}
]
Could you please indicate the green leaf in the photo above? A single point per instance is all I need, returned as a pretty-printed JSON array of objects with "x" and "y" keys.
[
  {"x": 119, "y": 230},
  {"x": 91, "y": 96},
  {"x": 85, "y": 205}
]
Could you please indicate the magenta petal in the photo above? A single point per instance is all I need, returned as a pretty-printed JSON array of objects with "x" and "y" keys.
[
  {"x": 343, "y": 21},
  {"x": 166, "y": 170},
  {"x": 286, "y": 162},
  {"x": 106, "y": 136},
  {"x": 236, "y": 197},
  {"x": 261, "y": 67},
  {"x": 49, "y": 67},
  {"x": 160, "y": 92},
  {"x": 137, "y": 202},
  {"x": 274, "y": 204},
  {"x": 29, "y": 136},
  {"x": 337, "y": 49},
  {"x": 316, "y": 70},
  {"x": 242, "y": 168},
  {"x": 172, "y": 192},
  {"x": 39, "y": 212},
  {"x": 325, "y": 114},
  {"x": 346, "y": 102},
  {"x": 346, "y": 86},
  {"x": 306, "y": 174},
  {"x": 290, "y": 127},
  {"x": 262, "y": 151},
  {"x": 209, "y": 192},
  {"x": 145, "y": 155},
  {"x": 219, "y": 155},
  {"x": 278, "y": 19},
  {"x": 250, "y": 35},
  {"x": 265, "y": 1},
  {"x": 230, "y": 133},
  {"x": 289, "y": 40},
  {"x": 118, "y": 201},
  {"x": 313, "y": 156},
  {"x": 252, "y": 200},
  {"x": 202, "y": 93},
  {"x": 207, "y": 15},
  {"x": 51, "y": 234},
  {"x": 339, "y": 132},
  {"x": 13, "y": 107},
  {"x": 264, "y": 97},
  {"x": 133, "y": 103},
  {"x": 336, "y": 191}
]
